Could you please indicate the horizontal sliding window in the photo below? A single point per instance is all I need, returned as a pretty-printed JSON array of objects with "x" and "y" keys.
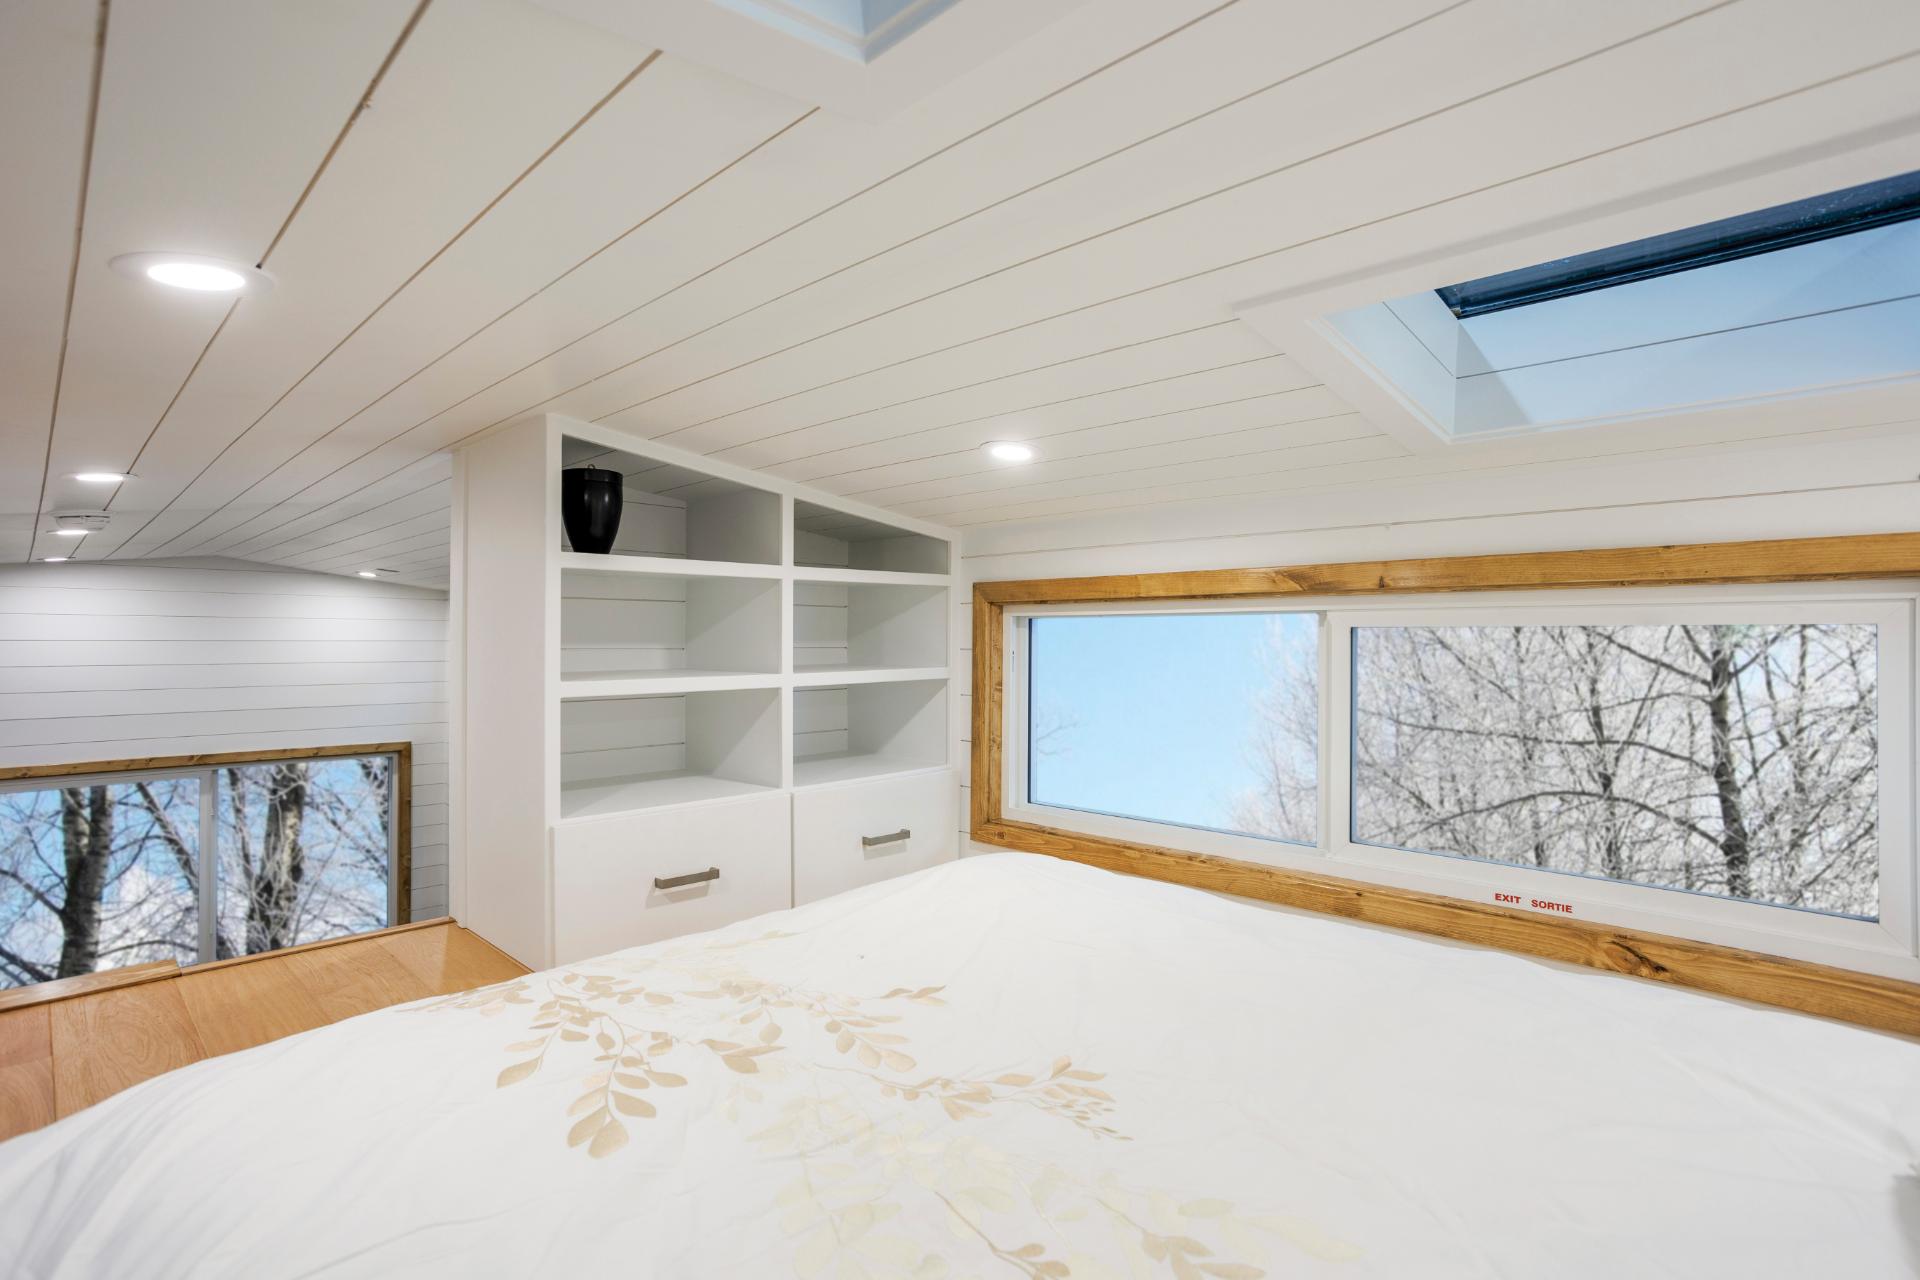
[
  {"x": 1204, "y": 720},
  {"x": 113, "y": 869},
  {"x": 1727, "y": 763},
  {"x": 1737, "y": 760}
]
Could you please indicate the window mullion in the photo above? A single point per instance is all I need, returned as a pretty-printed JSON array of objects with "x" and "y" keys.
[
  {"x": 1336, "y": 747},
  {"x": 394, "y": 819},
  {"x": 209, "y": 864}
]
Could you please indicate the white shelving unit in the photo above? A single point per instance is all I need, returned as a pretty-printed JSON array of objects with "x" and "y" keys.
[{"x": 753, "y": 672}]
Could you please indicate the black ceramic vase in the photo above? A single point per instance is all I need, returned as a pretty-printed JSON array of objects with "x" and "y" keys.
[{"x": 590, "y": 508}]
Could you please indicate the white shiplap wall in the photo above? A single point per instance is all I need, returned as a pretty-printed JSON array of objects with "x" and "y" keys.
[
  {"x": 1868, "y": 483},
  {"x": 113, "y": 660}
]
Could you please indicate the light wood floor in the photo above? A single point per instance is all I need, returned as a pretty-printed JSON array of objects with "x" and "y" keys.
[{"x": 69, "y": 1053}]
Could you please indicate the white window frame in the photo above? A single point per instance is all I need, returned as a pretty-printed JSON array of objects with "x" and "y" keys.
[{"x": 1889, "y": 946}]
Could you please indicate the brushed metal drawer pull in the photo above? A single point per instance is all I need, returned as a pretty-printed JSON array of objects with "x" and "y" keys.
[
  {"x": 869, "y": 842},
  {"x": 681, "y": 882}
]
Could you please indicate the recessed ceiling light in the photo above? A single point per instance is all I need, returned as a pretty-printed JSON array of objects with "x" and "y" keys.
[
  {"x": 203, "y": 276},
  {"x": 70, "y": 533},
  {"x": 195, "y": 272},
  {"x": 53, "y": 559},
  {"x": 1009, "y": 450},
  {"x": 368, "y": 573},
  {"x": 101, "y": 477}
]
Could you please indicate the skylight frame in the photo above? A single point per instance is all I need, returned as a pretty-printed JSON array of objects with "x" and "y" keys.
[{"x": 1837, "y": 213}]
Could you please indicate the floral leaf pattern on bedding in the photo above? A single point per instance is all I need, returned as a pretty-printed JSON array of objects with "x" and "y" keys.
[{"x": 897, "y": 1137}]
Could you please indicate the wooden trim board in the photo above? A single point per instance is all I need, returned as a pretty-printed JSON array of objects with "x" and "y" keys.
[
  {"x": 1865, "y": 999},
  {"x": 1883, "y": 1003},
  {"x": 402, "y": 819},
  {"x": 403, "y": 789},
  {"x": 82, "y": 984},
  {"x": 1865, "y": 556},
  {"x": 16, "y": 773},
  {"x": 133, "y": 975}
]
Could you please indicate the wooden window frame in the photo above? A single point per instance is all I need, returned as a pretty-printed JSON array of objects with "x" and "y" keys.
[
  {"x": 402, "y": 752},
  {"x": 1869, "y": 1000}
]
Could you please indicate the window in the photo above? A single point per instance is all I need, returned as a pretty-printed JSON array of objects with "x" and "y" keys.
[
  {"x": 1726, "y": 759},
  {"x": 1206, "y": 720},
  {"x": 98, "y": 876},
  {"x": 1798, "y": 299},
  {"x": 1731, "y": 764},
  {"x": 194, "y": 864}
]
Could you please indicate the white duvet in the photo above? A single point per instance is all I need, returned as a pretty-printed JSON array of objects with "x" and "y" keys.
[{"x": 1008, "y": 1066}]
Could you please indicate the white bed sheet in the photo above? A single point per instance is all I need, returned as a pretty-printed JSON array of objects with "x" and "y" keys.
[{"x": 1007, "y": 1066}]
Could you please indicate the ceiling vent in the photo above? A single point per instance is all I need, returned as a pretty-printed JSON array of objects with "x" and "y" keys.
[{"x": 72, "y": 523}]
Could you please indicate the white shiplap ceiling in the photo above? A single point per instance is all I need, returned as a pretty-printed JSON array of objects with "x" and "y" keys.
[{"x": 475, "y": 209}]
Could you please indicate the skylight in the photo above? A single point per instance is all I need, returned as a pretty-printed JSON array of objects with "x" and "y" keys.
[
  {"x": 1837, "y": 213},
  {"x": 1813, "y": 298},
  {"x": 857, "y": 29}
]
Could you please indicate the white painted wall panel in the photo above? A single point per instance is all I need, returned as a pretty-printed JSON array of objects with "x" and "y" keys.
[{"x": 107, "y": 661}]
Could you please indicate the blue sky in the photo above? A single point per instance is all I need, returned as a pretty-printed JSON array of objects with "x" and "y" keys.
[{"x": 1160, "y": 710}]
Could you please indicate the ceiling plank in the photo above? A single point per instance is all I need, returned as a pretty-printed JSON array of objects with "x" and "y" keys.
[
  {"x": 399, "y": 196},
  {"x": 1217, "y": 345},
  {"x": 982, "y": 273},
  {"x": 47, "y": 64},
  {"x": 1310, "y": 415},
  {"x": 190, "y": 161},
  {"x": 1050, "y": 248},
  {"x": 1499, "y": 148},
  {"x": 1256, "y": 388}
]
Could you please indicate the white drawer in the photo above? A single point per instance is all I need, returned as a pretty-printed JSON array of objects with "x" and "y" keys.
[
  {"x": 829, "y": 824},
  {"x": 604, "y": 896}
]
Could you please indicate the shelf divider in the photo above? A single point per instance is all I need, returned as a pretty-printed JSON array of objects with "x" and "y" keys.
[
  {"x": 853, "y": 766},
  {"x": 883, "y": 577},
  {"x": 826, "y": 675},
  {"x": 639, "y": 684},
  {"x": 668, "y": 566},
  {"x": 649, "y": 791}
]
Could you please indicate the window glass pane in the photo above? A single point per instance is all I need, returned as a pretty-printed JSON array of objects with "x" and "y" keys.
[
  {"x": 303, "y": 851},
  {"x": 1200, "y": 719},
  {"x": 1739, "y": 761},
  {"x": 98, "y": 877}
]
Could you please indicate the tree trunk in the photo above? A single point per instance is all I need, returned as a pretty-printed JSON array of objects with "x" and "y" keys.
[
  {"x": 86, "y": 830},
  {"x": 1735, "y": 846},
  {"x": 1523, "y": 699},
  {"x": 1613, "y": 862},
  {"x": 273, "y": 904}
]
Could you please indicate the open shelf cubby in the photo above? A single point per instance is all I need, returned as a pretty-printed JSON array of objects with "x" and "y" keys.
[
  {"x": 673, "y": 511},
  {"x": 867, "y": 628},
  {"x": 827, "y": 539},
  {"x": 619, "y": 754},
  {"x": 641, "y": 626},
  {"x": 845, "y": 732}
]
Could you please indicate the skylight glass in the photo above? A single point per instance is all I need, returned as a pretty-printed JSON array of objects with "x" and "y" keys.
[
  {"x": 1838, "y": 213},
  {"x": 856, "y": 29}
]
